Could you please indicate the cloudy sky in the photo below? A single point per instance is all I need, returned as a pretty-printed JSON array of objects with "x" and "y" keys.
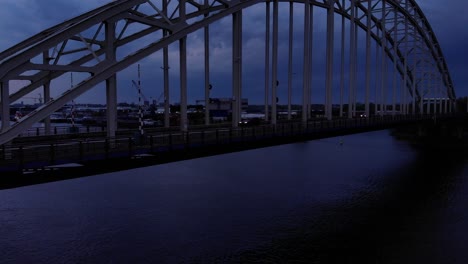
[{"x": 20, "y": 19}]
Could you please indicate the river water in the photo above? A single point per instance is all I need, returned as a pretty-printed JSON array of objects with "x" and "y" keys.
[{"x": 371, "y": 199}]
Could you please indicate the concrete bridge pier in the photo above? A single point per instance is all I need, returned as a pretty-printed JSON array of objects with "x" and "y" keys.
[
  {"x": 183, "y": 84},
  {"x": 306, "y": 66},
  {"x": 329, "y": 55},
  {"x": 5, "y": 104},
  {"x": 111, "y": 83},
  {"x": 46, "y": 90},
  {"x": 111, "y": 111},
  {"x": 442, "y": 129},
  {"x": 47, "y": 124},
  {"x": 236, "y": 68},
  {"x": 5, "y": 115}
]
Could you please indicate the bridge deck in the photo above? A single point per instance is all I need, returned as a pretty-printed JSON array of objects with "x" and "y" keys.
[{"x": 20, "y": 161}]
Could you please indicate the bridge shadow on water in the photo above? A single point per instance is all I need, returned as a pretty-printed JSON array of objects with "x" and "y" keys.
[{"x": 395, "y": 222}]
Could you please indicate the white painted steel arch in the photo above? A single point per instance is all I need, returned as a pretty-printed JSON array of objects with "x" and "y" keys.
[{"x": 45, "y": 54}]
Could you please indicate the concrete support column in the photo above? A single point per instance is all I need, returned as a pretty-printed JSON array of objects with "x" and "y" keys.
[
  {"x": 438, "y": 94},
  {"x": 356, "y": 63},
  {"x": 47, "y": 125},
  {"x": 447, "y": 98},
  {"x": 329, "y": 58},
  {"x": 342, "y": 66},
  {"x": 405, "y": 66},
  {"x": 111, "y": 99},
  {"x": 306, "y": 76},
  {"x": 166, "y": 86},
  {"x": 421, "y": 96},
  {"x": 311, "y": 56},
  {"x": 383, "y": 81},
  {"x": 352, "y": 59},
  {"x": 290, "y": 56},
  {"x": 368, "y": 57},
  {"x": 274, "y": 72},
  {"x": 207, "y": 69},
  {"x": 441, "y": 95},
  {"x": 413, "y": 84},
  {"x": 183, "y": 84},
  {"x": 435, "y": 95},
  {"x": 207, "y": 75},
  {"x": 5, "y": 101},
  {"x": 183, "y": 72},
  {"x": 5, "y": 113},
  {"x": 267, "y": 59},
  {"x": 377, "y": 75},
  {"x": 166, "y": 74},
  {"x": 402, "y": 96},
  {"x": 445, "y": 106},
  {"x": 111, "y": 83},
  {"x": 46, "y": 91},
  {"x": 239, "y": 43},
  {"x": 395, "y": 61},
  {"x": 236, "y": 68},
  {"x": 429, "y": 100}
]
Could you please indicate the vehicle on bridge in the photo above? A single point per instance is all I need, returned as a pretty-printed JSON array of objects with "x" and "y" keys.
[
  {"x": 151, "y": 123},
  {"x": 250, "y": 122}
]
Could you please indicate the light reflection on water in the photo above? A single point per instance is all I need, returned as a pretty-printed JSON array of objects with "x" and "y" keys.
[{"x": 371, "y": 200}]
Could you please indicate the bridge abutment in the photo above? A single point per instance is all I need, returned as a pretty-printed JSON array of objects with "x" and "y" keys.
[{"x": 437, "y": 132}]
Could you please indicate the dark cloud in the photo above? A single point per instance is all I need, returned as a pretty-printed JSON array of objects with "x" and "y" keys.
[
  {"x": 449, "y": 22},
  {"x": 20, "y": 19}
]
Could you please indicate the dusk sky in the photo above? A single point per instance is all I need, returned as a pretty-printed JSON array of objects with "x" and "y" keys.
[{"x": 21, "y": 19}]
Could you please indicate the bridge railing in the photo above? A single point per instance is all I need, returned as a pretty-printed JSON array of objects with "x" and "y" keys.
[
  {"x": 61, "y": 130},
  {"x": 67, "y": 130},
  {"x": 40, "y": 155}
]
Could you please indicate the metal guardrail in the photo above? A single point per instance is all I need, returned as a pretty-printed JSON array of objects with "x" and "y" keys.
[
  {"x": 99, "y": 131},
  {"x": 61, "y": 130},
  {"x": 37, "y": 155}
]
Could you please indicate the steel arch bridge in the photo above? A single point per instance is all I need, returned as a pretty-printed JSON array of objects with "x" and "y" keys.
[{"x": 95, "y": 43}]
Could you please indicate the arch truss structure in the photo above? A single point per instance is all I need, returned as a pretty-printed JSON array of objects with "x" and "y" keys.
[{"x": 106, "y": 40}]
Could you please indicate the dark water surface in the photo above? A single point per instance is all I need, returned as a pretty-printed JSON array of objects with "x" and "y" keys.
[{"x": 371, "y": 200}]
